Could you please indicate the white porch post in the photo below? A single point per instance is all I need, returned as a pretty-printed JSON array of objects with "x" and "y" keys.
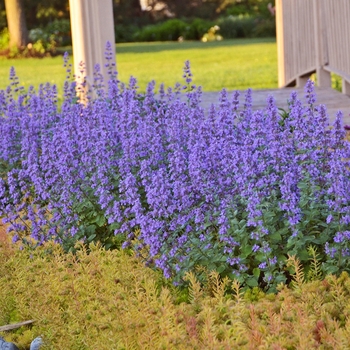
[
  {"x": 280, "y": 43},
  {"x": 92, "y": 26}
]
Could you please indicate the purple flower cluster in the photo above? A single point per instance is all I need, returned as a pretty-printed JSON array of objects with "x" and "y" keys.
[{"x": 231, "y": 185}]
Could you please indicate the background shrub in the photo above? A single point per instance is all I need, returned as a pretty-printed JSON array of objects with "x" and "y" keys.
[
  {"x": 264, "y": 27},
  {"x": 246, "y": 26},
  {"x": 237, "y": 27},
  {"x": 61, "y": 31},
  {"x": 166, "y": 31},
  {"x": 125, "y": 33},
  {"x": 196, "y": 28},
  {"x": 242, "y": 26},
  {"x": 173, "y": 29},
  {"x": 43, "y": 41}
]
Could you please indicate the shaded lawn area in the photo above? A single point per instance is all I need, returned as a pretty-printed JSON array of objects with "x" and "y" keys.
[{"x": 233, "y": 64}]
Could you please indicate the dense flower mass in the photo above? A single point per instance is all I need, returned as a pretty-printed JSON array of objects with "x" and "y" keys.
[{"x": 231, "y": 189}]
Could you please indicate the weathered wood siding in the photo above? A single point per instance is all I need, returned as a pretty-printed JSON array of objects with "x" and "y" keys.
[{"x": 313, "y": 36}]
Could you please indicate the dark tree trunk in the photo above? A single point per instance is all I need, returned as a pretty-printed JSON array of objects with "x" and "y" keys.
[{"x": 16, "y": 23}]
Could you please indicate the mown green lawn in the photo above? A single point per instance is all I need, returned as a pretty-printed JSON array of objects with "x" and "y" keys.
[{"x": 233, "y": 64}]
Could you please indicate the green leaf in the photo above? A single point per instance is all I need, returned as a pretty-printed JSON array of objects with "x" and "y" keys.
[
  {"x": 100, "y": 220},
  {"x": 280, "y": 279},
  {"x": 303, "y": 255},
  {"x": 252, "y": 282},
  {"x": 256, "y": 272},
  {"x": 212, "y": 267},
  {"x": 259, "y": 256},
  {"x": 91, "y": 237},
  {"x": 223, "y": 259},
  {"x": 246, "y": 251},
  {"x": 275, "y": 237},
  {"x": 90, "y": 229},
  {"x": 234, "y": 222},
  {"x": 281, "y": 258},
  {"x": 115, "y": 226},
  {"x": 208, "y": 224},
  {"x": 242, "y": 223},
  {"x": 221, "y": 268},
  {"x": 331, "y": 269}
]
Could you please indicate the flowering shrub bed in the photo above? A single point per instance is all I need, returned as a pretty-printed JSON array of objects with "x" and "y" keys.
[{"x": 233, "y": 190}]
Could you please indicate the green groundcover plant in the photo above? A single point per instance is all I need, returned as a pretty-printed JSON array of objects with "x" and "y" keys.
[{"x": 232, "y": 189}]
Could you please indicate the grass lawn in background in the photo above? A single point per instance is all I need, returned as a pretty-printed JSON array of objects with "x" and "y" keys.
[{"x": 233, "y": 64}]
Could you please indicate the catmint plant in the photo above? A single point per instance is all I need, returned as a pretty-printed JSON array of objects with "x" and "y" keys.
[{"x": 231, "y": 189}]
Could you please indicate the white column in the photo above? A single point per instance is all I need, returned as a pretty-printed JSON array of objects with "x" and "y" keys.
[
  {"x": 280, "y": 43},
  {"x": 92, "y": 26}
]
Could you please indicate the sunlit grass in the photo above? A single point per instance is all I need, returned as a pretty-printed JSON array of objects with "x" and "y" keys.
[{"x": 233, "y": 64}]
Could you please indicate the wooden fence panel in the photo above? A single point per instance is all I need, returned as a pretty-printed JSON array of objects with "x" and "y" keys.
[
  {"x": 296, "y": 21},
  {"x": 313, "y": 36}
]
